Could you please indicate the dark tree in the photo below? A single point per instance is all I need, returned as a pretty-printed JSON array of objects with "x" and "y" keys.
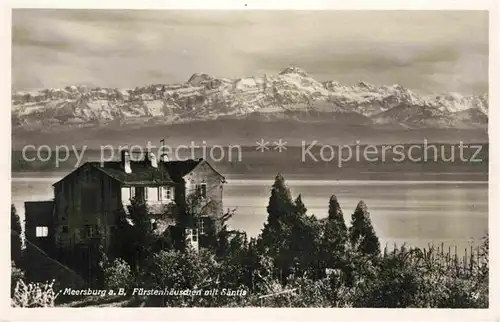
[
  {"x": 15, "y": 236},
  {"x": 304, "y": 240},
  {"x": 299, "y": 207},
  {"x": 280, "y": 204},
  {"x": 280, "y": 209},
  {"x": 143, "y": 233},
  {"x": 274, "y": 239},
  {"x": 222, "y": 246},
  {"x": 189, "y": 214},
  {"x": 334, "y": 239},
  {"x": 361, "y": 233},
  {"x": 134, "y": 236},
  {"x": 97, "y": 259}
]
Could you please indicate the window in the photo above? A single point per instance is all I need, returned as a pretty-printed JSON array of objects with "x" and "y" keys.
[
  {"x": 128, "y": 193},
  {"x": 195, "y": 235},
  {"x": 151, "y": 193},
  {"x": 201, "y": 189},
  {"x": 89, "y": 230},
  {"x": 166, "y": 193},
  {"x": 125, "y": 194},
  {"x": 203, "y": 225},
  {"x": 42, "y": 231},
  {"x": 188, "y": 234}
]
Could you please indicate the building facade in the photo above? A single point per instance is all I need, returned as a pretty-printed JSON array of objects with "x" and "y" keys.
[{"x": 87, "y": 200}]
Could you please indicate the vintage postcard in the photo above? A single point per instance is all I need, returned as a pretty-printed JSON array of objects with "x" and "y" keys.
[{"x": 249, "y": 158}]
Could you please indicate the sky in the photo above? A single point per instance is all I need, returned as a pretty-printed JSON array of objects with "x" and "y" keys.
[{"x": 428, "y": 51}]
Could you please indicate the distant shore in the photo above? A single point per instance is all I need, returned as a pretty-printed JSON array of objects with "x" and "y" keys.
[{"x": 382, "y": 177}]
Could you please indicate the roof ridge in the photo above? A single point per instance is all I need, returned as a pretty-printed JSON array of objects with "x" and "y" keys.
[{"x": 144, "y": 173}]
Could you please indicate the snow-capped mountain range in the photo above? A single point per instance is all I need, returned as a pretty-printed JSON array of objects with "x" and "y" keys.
[{"x": 290, "y": 95}]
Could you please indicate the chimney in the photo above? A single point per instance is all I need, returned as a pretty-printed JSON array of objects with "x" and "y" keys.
[
  {"x": 162, "y": 154},
  {"x": 126, "y": 161},
  {"x": 152, "y": 159}
]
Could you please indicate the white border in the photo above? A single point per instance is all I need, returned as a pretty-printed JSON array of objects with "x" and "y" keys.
[
  {"x": 126, "y": 314},
  {"x": 261, "y": 4}
]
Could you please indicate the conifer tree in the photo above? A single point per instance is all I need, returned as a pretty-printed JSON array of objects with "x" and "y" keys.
[
  {"x": 299, "y": 239},
  {"x": 305, "y": 240},
  {"x": 335, "y": 235},
  {"x": 280, "y": 210},
  {"x": 280, "y": 203},
  {"x": 361, "y": 233},
  {"x": 300, "y": 208},
  {"x": 274, "y": 239}
]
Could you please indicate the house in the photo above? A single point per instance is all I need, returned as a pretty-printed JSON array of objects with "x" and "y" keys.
[{"x": 86, "y": 200}]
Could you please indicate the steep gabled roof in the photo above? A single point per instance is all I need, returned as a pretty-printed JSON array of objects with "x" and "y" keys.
[
  {"x": 178, "y": 169},
  {"x": 144, "y": 174}
]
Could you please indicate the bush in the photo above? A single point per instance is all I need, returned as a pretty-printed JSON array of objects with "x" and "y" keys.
[
  {"x": 16, "y": 275},
  {"x": 34, "y": 294},
  {"x": 297, "y": 261},
  {"x": 118, "y": 275},
  {"x": 180, "y": 271}
]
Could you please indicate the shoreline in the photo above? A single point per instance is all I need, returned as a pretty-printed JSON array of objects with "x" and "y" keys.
[{"x": 382, "y": 177}]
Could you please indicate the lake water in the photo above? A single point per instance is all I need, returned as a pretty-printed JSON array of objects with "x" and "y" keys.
[{"x": 412, "y": 212}]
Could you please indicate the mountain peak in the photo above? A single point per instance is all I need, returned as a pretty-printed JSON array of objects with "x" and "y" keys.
[
  {"x": 293, "y": 95},
  {"x": 294, "y": 70},
  {"x": 198, "y": 78},
  {"x": 365, "y": 85}
]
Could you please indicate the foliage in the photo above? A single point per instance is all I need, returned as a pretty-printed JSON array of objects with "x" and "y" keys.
[
  {"x": 290, "y": 237},
  {"x": 334, "y": 237},
  {"x": 98, "y": 259},
  {"x": 135, "y": 236},
  {"x": 15, "y": 236},
  {"x": 221, "y": 238},
  {"x": 361, "y": 233},
  {"x": 16, "y": 275},
  {"x": 415, "y": 278},
  {"x": 175, "y": 270},
  {"x": 304, "y": 241},
  {"x": 296, "y": 261},
  {"x": 118, "y": 275},
  {"x": 188, "y": 214},
  {"x": 34, "y": 294},
  {"x": 143, "y": 236}
]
